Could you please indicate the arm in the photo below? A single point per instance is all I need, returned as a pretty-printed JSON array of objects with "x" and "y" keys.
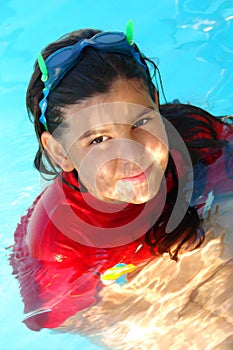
[{"x": 55, "y": 281}]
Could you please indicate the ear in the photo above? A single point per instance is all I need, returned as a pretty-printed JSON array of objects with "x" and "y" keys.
[{"x": 56, "y": 151}]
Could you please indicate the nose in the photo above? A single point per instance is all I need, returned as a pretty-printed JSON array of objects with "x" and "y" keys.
[{"x": 129, "y": 154}]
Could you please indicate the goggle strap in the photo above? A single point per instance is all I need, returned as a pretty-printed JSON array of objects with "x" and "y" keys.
[
  {"x": 43, "y": 106},
  {"x": 45, "y": 75},
  {"x": 43, "y": 68},
  {"x": 129, "y": 32}
]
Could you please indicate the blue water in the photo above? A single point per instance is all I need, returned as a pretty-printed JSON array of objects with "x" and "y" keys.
[{"x": 191, "y": 40}]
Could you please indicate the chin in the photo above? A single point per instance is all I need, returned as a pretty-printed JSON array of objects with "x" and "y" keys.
[
  {"x": 137, "y": 196},
  {"x": 139, "y": 201},
  {"x": 143, "y": 199},
  {"x": 125, "y": 192}
]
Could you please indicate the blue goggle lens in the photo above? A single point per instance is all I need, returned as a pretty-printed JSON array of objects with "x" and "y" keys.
[{"x": 64, "y": 59}]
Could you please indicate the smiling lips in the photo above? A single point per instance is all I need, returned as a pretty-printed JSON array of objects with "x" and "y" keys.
[{"x": 140, "y": 177}]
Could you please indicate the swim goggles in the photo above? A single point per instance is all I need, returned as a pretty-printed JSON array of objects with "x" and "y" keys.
[{"x": 55, "y": 67}]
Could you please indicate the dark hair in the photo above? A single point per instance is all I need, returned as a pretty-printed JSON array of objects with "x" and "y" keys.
[
  {"x": 95, "y": 73},
  {"x": 197, "y": 128}
]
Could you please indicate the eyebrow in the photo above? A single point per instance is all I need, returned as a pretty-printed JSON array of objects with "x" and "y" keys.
[{"x": 93, "y": 132}]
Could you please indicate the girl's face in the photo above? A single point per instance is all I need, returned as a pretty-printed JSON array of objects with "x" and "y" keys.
[{"x": 118, "y": 144}]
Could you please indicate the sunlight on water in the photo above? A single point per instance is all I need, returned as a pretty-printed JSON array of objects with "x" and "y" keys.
[
  {"x": 171, "y": 305},
  {"x": 167, "y": 305}
]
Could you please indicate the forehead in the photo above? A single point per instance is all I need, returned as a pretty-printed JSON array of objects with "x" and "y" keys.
[
  {"x": 106, "y": 114},
  {"x": 122, "y": 90},
  {"x": 125, "y": 102}
]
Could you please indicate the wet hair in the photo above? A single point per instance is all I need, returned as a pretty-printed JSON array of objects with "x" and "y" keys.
[
  {"x": 95, "y": 74},
  {"x": 197, "y": 128}
]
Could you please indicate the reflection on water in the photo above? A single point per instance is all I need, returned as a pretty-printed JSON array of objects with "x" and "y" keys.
[
  {"x": 169, "y": 305},
  {"x": 202, "y": 30}
]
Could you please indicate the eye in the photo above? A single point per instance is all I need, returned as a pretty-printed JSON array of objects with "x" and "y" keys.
[
  {"x": 99, "y": 139},
  {"x": 141, "y": 122}
]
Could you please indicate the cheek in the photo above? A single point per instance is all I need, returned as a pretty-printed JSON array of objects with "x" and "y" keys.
[
  {"x": 159, "y": 153},
  {"x": 158, "y": 150},
  {"x": 85, "y": 166},
  {"x": 76, "y": 155},
  {"x": 153, "y": 135},
  {"x": 157, "y": 142},
  {"x": 100, "y": 181},
  {"x": 95, "y": 172},
  {"x": 106, "y": 175}
]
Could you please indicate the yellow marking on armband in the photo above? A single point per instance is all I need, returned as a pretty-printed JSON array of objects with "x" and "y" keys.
[{"x": 116, "y": 272}]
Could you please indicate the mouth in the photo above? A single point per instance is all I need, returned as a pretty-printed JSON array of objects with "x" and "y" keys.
[{"x": 139, "y": 178}]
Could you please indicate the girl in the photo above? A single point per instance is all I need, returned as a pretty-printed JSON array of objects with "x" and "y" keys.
[{"x": 120, "y": 171}]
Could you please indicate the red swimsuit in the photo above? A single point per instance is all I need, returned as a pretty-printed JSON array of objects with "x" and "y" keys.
[{"x": 65, "y": 241}]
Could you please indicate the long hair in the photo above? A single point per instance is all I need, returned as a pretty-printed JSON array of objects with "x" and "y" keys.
[
  {"x": 94, "y": 74},
  {"x": 197, "y": 128}
]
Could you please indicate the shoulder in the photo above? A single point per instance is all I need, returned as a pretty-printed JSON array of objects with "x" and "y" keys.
[{"x": 46, "y": 229}]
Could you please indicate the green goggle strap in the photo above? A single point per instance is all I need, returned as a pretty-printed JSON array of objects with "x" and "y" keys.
[
  {"x": 43, "y": 68},
  {"x": 129, "y": 32},
  {"x": 44, "y": 71}
]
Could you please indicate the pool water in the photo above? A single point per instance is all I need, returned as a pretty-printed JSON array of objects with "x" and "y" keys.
[{"x": 191, "y": 40}]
